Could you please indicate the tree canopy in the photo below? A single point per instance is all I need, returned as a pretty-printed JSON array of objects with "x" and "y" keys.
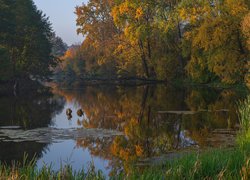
[
  {"x": 25, "y": 47},
  {"x": 204, "y": 41}
]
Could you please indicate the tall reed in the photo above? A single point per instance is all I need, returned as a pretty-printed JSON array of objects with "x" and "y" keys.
[{"x": 243, "y": 138}]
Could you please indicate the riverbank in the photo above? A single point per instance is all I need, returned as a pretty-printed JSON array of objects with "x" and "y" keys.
[
  {"x": 212, "y": 164},
  {"x": 132, "y": 81},
  {"x": 137, "y": 81}
]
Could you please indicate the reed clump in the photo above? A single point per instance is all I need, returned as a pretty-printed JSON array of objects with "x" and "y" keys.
[{"x": 27, "y": 170}]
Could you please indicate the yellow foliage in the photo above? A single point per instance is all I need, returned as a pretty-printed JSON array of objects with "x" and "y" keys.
[
  {"x": 246, "y": 29},
  {"x": 217, "y": 46},
  {"x": 236, "y": 8},
  {"x": 139, "y": 150},
  {"x": 247, "y": 76},
  {"x": 139, "y": 13}
]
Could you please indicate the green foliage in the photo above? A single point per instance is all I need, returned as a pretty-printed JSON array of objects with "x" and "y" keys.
[
  {"x": 5, "y": 73},
  {"x": 25, "y": 36},
  {"x": 58, "y": 46}
]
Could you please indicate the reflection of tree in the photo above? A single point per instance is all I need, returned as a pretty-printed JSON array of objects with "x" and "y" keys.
[
  {"x": 135, "y": 111},
  {"x": 13, "y": 151},
  {"x": 101, "y": 147},
  {"x": 219, "y": 108},
  {"x": 31, "y": 111}
]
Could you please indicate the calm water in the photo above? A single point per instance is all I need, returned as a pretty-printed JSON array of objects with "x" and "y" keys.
[{"x": 153, "y": 121}]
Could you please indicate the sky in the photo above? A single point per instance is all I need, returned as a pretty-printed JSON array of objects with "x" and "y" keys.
[{"x": 61, "y": 15}]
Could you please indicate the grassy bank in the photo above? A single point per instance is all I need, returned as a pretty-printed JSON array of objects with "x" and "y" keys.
[
  {"x": 213, "y": 164},
  {"x": 227, "y": 164}
]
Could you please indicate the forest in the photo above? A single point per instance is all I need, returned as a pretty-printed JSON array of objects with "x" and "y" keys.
[{"x": 199, "y": 41}]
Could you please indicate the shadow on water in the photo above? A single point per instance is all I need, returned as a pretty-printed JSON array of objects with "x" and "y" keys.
[
  {"x": 154, "y": 120},
  {"x": 29, "y": 111}
]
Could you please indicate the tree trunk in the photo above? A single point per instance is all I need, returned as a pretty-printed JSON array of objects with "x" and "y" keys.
[
  {"x": 16, "y": 80},
  {"x": 16, "y": 87},
  {"x": 240, "y": 43},
  {"x": 151, "y": 69},
  {"x": 180, "y": 57},
  {"x": 143, "y": 58},
  {"x": 143, "y": 103}
]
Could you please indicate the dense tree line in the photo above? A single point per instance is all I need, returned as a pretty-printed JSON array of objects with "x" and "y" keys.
[
  {"x": 59, "y": 47},
  {"x": 25, "y": 42},
  {"x": 205, "y": 41}
]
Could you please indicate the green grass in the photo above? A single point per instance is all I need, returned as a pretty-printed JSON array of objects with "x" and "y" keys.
[
  {"x": 243, "y": 138},
  {"x": 212, "y": 164},
  {"x": 27, "y": 171}
]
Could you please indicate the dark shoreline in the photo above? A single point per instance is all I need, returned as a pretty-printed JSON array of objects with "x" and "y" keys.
[
  {"x": 27, "y": 85},
  {"x": 112, "y": 81}
]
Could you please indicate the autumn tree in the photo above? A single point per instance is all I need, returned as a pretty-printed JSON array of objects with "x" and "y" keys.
[
  {"x": 96, "y": 24},
  {"x": 72, "y": 65},
  {"x": 205, "y": 41},
  {"x": 246, "y": 32},
  {"x": 217, "y": 50},
  {"x": 135, "y": 19},
  {"x": 150, "y": 34}
]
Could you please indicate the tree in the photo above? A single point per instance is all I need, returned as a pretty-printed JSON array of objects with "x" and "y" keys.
[
  {"x": 7, "y": 20},
  {"x": 33, "y": 34},
  {"x": 217, "y": 45},
  {"x": 96, "y": 24},
  {"x": 72, "y": 64},
  {"x": 246, "y": 32},
  {"x": 25, "y": 41},
  {"x": 205, "y": 41},
  {"x": 58, "y": 46}
]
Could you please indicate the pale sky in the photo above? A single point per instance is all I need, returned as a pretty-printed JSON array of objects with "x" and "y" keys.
[{"x": 61, "y": 15}]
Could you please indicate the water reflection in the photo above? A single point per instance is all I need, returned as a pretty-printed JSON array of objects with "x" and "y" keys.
[
  {"x": 155, "y": 120},
  {"x": 67, "y": 152},
  {"x": 29, "y": 111},
  {"x": 139, "y": 113}
]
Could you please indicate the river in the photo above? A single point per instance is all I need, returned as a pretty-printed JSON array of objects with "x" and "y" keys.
[{"x": 118, "y": 126}]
